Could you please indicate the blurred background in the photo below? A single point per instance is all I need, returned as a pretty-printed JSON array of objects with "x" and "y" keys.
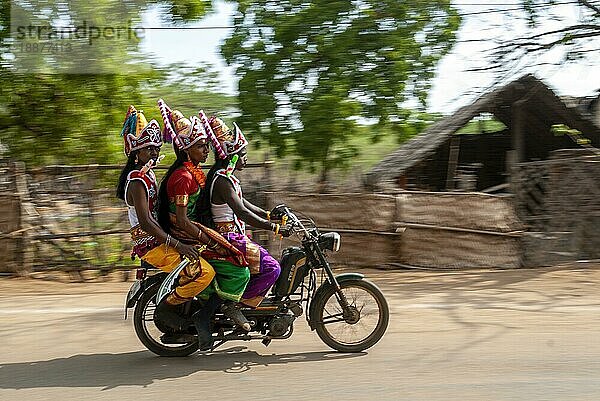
[{"x": 336, "y": 97}]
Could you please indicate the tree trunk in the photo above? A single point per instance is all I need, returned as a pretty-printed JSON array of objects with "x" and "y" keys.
[{"x": 322, "y": 185}]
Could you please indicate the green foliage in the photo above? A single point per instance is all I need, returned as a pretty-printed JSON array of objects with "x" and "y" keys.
[
  {"x": 63, "y": 118},
  {"x": 311, "y": 71},
  {"x": 561, "y": 130},
  {"x": 188, "y": 10},
  {"x": 575, "y": 135},
  {"x": 482, "y": 126},
  {"x": 48, "y": 119},
  {"x": 57, "y": 112},
  {"x": 188, "y": 89}
]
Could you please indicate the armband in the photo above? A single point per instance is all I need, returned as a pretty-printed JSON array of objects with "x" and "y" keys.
[{"x": 181, "y": 200}]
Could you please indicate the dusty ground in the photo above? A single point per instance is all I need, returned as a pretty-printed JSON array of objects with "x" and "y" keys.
[{"x": 479, "y": 335}]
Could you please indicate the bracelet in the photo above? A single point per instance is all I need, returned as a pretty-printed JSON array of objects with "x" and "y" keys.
[
  {"x": 268, "y": 215},
  {"x": 199, "y": 234},
  {"x": 176, "y": 243},
  {"x": 168, "y": 241}
]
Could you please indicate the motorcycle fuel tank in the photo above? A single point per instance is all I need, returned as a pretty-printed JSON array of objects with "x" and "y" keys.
[{"x": 293, "y": 270}]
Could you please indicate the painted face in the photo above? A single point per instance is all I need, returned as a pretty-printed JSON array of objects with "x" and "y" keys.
[
  {"x": 147, "y": 153},
  {"x": 198, "y": 152},
  {"x": 242, "y": 160}
]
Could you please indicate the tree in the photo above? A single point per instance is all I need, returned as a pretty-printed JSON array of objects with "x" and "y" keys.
[
  {"x": 190, "y": 88},
  {"x": 310, "y": 71},
  {"x": 546, "y": 32},
  {"x": 68, "y": 107}
]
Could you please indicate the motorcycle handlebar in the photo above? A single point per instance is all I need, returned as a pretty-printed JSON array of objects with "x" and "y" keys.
[
  {"x": 291, "y": 215},
  {"x": 294, "y": 220}
]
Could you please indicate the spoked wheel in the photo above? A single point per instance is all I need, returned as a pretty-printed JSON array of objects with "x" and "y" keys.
[
  {"x": 149, "y": 332},
  {"x": 359, "y": 327}
]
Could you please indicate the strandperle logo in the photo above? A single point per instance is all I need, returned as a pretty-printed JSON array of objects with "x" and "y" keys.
[
  {"x": 90, "y": 32},
  {"x": 75, "y": 37}
]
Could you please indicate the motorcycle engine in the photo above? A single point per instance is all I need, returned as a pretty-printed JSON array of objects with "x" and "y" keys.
[{"x": 279, "y": 325}]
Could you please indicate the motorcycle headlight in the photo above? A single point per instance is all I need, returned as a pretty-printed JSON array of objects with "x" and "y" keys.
[{"x": 330, "y": 241}]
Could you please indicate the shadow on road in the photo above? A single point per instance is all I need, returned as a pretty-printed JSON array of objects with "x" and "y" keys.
[
  {"x": 488, "y": 304},
  {"x": 142, "y": 368},
  {"x": 522, "y": 290}
]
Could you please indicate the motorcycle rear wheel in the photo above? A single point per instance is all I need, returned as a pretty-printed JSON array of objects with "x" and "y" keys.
[
  {"x": 362, "y": 326},
  {"x": 149, "y": 334}
]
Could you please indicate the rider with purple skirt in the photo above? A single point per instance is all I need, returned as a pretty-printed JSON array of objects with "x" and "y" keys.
[{"x": 230, "y": 211}]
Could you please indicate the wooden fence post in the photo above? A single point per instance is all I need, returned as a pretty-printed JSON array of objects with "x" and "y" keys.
[
  {"x": 25, "y": 247},
  {"x": 452, "y": 162}
]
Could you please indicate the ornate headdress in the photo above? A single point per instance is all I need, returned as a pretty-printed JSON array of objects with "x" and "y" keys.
[
  {"x": 182, "y": 131},
  {"x": 225, "y": 141},
  {"x": 137, "y": 133}
]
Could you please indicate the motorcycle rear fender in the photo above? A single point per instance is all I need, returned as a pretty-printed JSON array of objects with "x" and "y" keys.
[
  {"x": 146, "y": 283},
  {"x": 326, "y": 285}
]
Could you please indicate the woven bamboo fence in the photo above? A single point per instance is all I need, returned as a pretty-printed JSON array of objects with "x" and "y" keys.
[
  {"x": 415, "y": 229},
  {"x": 559, "y": 201},
  {"x": 67, "y": 218}
]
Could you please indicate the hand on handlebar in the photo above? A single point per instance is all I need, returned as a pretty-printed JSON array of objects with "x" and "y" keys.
[
  {"x": 286, "y": 230},
  {"x": 278, "y": 212}
]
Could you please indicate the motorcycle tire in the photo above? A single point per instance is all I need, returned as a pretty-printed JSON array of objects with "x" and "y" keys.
[
  {"x": 370, "y": 316},
  {"x": 144, "y": 316}
]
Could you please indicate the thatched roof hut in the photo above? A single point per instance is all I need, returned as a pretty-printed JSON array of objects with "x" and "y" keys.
[{"x": 526, "y": 107}]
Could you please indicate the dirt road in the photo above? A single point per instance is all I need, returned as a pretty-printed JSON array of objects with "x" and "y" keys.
[{"x": 489, "y": 335}]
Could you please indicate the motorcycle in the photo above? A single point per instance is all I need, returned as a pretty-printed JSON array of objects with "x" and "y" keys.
[{"x": 348, "y": 312}]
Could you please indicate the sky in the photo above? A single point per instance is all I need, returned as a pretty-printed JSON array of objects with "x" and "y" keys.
[{"x": 454, "y": 86}]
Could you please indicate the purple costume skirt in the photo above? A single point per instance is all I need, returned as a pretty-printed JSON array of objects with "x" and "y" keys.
[{"x": 264, "y": 269}]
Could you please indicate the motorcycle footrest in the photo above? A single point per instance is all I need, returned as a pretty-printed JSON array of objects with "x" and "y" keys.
[
  {"x": 238, "y": 337},
  {"x": 183, "y": 338}
]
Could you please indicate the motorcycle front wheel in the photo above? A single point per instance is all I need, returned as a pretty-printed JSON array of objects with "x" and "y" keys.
[
  {"x": 359, "y": 327},
  {"x": 149, "y": 333}
]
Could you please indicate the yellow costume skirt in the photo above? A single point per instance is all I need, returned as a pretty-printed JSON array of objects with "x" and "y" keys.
[{"x": 192, "y": 280}]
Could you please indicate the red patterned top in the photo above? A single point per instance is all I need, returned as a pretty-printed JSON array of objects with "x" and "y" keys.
[{"x": 183, "y": 189}]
